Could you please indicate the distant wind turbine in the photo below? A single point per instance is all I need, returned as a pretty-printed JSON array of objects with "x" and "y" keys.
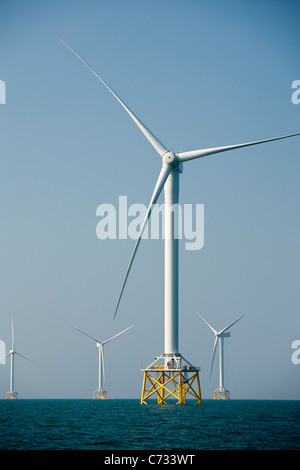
[
  {"x": 168, "y": 179},
  {"x": 100, "y": 393},
  {"x": 221, "y": 392},
  {"x": 12, "y": 394}
]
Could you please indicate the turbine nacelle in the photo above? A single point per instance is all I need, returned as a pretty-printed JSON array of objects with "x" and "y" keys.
[{"x": 226, "y": 334}]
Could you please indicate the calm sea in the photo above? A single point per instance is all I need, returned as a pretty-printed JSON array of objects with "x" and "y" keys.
[{"x": 126, "y": 425}]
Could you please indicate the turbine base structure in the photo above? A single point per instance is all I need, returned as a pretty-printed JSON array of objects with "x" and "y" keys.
[
  {"x": 172, "y": 380},
  {"x": 221, "y": 393},
  {"x": 100, "y": 394},
  {"x": 11, "y": 395}
]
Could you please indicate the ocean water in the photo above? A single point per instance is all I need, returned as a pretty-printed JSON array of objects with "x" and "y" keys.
[{"x": 118, "y": 425}]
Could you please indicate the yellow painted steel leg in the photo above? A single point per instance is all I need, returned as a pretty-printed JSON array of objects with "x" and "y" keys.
[
  {"x": 180, "y": 387},
  {"x": 143, "y": 389}
]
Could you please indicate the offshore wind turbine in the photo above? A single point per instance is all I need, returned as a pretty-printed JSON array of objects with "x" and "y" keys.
[
  {"x": 168, "y": 179},
  {"x": 100, "y": 393},
  {"x": 12, "y": 394},
  {"x": 221, "y": 392}
]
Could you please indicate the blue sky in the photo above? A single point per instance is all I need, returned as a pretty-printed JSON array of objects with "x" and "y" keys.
[{"x": 198, "y": 74}]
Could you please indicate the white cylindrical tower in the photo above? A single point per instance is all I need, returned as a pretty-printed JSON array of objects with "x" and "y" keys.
[
  {"x": 100, "y": 366},
  {"x": 221, "y": 353},
  {"x": 12, "y": 366},
  {"x": 171, "y": 190}
]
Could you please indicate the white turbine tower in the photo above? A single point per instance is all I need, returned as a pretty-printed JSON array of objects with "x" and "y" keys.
[
  {"x": 221, "y": 392},
  {"x": 100, "y": 393},
  {"x": 168, "y": 179},
  {"x": 12, "y": 394}
]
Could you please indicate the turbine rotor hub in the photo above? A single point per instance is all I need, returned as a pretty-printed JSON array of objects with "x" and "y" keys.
[{"x": 170, "y": 159}]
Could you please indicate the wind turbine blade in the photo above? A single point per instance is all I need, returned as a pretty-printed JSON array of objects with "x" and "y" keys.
[
  {"x": 95, "y": 339},
  {"x": 213, "y": 356},
  {"x": 165, "y": 171},
  {"x": 231, "y": 324},
  {"x": 185, "y": 156},
  {"x": 4, "y": 357},
  {"x": 207, "y": 323},
  {"x": 27, "y": 359},
  {"x": 159, "y": 147},
  {"x": 107, "y": 341}
]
